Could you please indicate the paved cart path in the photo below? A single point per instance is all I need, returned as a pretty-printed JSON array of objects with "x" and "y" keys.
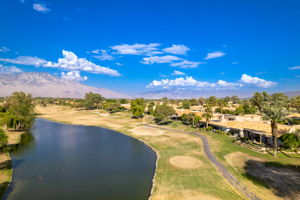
[{"x": 221, "y": 168}]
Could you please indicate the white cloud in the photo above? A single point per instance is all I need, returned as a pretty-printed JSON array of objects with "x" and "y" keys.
[
  {"x": 190, "y": 82},
  {"x": 173, "y": 60},
  {"x": 258, "y": 82},
  {"x": 4, "y": 49},
  {"x": 177, "y": 49},
  {"x": 160, "y": 59},
  {"x": 104, "y": 55},
  {"x": 137, "y": 49},
  {"x": 9, "y": 69},
  {"x": 40, "y": 7},
  {"x": 293, "y": 68},
  {"x": 215, "y": 54},
  {"x": 73, "y": 75},
  {"x": 177, "y": 73},
  {"x": 26, "y": 60},
  {"x": 96, "y": 51},
  {"x": 70, "y": 61},
  {"x": 166, "y": 83},
  {"x": 226, "y": 84},
  {"x": 187, "y": 64}
]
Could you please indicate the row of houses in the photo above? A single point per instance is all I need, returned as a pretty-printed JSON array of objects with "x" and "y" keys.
[{"x": 253, "y": 135}]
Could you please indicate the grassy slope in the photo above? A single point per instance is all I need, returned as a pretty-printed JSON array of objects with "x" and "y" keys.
[{"x": 222, "y": 146}]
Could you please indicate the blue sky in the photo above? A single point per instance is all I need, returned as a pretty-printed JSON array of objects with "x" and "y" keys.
[{"x": 140, "y": 46}]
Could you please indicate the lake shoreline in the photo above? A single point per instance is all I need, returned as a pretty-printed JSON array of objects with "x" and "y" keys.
[
  {"x": 128, "y": 135},
  {"x": 13, "y": 142},
  {"x": 146, "y": 146}
]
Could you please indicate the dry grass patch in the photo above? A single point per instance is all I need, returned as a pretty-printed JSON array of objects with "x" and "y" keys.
[
  {"x": 14, "y": 137},
  {"x": 4, "y": 157},
  {"x": 187, "y": 195},
  {"x": 147, "y": 131},
  {"x": 239, "y": 159},
  {"x": 202, "y": 197},
  {"x": 185, "y": 162}
]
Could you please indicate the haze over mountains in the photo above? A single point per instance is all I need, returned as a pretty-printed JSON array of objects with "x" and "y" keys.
[{"x": 47, "y": 85}]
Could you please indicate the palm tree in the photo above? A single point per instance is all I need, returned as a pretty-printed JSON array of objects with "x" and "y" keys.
[
  {"x": 274, "y": 111},
  {"x": 208, "y": 114},
  {"x": 221, "y": 103}
]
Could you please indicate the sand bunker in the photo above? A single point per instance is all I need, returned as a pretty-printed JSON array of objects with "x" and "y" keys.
[
  {"x": 147, "y": 131},
  {"x": 185, "y": 162}
]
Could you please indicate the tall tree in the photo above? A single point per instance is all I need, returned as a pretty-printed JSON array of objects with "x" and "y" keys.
[
  {"x": 275, "y": 111},
  {"x": 138, "y": 107},
  {"x": 258, "y": 100},
  {"x": 162, "y": 113},
  {"x": 186, "y": 104},
  {"x": 19, "y": 111},
  {"x": 295, "y": 103},
  {"x": 194, "y": 102},
  {"x": 92, "y": 100},
  {"x": 235, "y": 99},
  {"x": 208, "y": 114},
  {"x": 221, "y": 103},
  {"x": 212, "y": 101},
  {"x": 201, "y": 101},
  {"x": 190, "y": 119},
  {"x": 150, "y": 108}
]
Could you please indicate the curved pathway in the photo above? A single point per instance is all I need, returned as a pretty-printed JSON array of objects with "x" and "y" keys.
[{"x": 225, "y": 173}]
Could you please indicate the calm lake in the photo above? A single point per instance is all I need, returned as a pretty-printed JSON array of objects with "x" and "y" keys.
[{"x": 74, "y": 162}]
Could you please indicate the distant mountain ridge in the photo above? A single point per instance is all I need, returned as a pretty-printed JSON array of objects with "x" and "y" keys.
[
  {"x": 292, "y": 93},
  {"x": 181, "y": 93},
  {"x": 47, "y": 85}
]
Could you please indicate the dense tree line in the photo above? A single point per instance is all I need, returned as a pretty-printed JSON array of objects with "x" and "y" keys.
[
  {"x": 17, "y": 112},
  {"x": 273, "y": 108}
]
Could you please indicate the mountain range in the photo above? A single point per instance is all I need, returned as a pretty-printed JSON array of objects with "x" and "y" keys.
[{"x": 47, "y": 85}]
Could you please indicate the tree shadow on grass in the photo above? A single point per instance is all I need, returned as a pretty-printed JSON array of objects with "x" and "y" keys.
[
  {"x": 282, "y": 179},
  {"x": 287, "y": 155},
  {"x": 6, "y": 165}
]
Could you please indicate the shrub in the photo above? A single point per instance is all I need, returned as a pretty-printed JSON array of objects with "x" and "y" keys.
[
  {"x": 162, "y": 113},
  {"x": 290, "y": 141},
  {"x": 293, "y": 121},
  {"x": 220, "y": 132},
  {"x": 209, "y": 128},
  {"x": 3, "y": 137}
]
